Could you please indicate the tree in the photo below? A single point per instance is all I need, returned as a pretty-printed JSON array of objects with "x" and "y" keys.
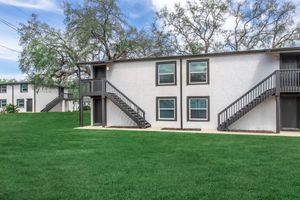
[
  {"x": 49, "y": 55},
  {"x": 196, "y": 26},
  {"x": 4, "y": 80},
  {"x": 101, "y": 26},
  {"x": 261, "y": 24},
  {"x": 152, "y": 42}
]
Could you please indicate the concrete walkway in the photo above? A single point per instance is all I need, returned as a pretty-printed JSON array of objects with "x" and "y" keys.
[{"x": 205, "y": 131}]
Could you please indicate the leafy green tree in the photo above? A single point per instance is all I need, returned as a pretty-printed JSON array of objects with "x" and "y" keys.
[
  {"x": 49, "y": 55},
  {"x": 262, "y": 24},
  {"x": 4, "y": 80},
  {"x": 99, "y": 25},
  {"x": 195, "y": 27}
]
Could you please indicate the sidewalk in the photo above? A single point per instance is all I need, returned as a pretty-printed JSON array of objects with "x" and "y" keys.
[{"x": 205, "y": 131}]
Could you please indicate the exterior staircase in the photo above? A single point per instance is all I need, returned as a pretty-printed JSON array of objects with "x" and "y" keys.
[
  {"x": 126, "y": 105},
  {"x": 280, "y": 81},
  {"x": 52, "y": 103},
  {"x": 102, "y": 87},
  {"x": 57, "y": 100}
]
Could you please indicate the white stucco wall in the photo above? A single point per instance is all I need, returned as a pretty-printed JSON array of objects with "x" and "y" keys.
[
  {"x": 44, "y": 96},
  {"x": 230, "y": 76}
]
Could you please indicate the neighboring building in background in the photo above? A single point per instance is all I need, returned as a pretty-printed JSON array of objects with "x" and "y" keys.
[
  {"x": 246, "y": 90},
  {"x": 29, "y": 99}
]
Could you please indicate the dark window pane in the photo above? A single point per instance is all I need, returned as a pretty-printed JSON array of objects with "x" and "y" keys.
[
  {"x": 166, "y": 114},
  {"x": 198, "y": 67},
  {"x": 198, "y": 103},
  {"x": 168, "y": 78},
  {"x": 198, "y": 114},
  {"x": 166, "y": 68},
  {"x": 198, "y": 77},
  {"x": 166, "y": 103}
]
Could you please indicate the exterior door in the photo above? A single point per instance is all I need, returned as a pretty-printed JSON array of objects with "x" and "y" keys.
[
  {"x": 290, "y": 112},
  {"x": 99, "y": 72},
  {"x": 97, "y": 111},
  {"x": 29, "y": 105},
  {"x": 290, "y": 62}
]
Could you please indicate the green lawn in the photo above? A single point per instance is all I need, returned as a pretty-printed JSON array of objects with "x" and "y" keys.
[{"x": 43, "y": 157}]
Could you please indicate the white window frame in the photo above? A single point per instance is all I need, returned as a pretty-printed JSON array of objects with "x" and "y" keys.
[
  {"x": 18, "y": 105},
  {"x": 2, "y": 87},
  {"x": 1, "y": 103},
  {"x": 159, "y": 109},
  {"x": 158, "y": 74},
  {"x": 22, "y": 89},
  {"x": 190, "y": 82},
  {"x": 205, "y": 109}
]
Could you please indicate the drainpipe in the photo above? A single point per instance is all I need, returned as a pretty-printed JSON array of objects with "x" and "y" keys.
[{"x": 181, "y": 114}]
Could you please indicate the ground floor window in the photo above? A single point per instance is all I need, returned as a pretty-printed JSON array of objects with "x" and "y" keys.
[
  {"x": 3, "y": 103},
  {"x": 198, "y": 108},
  {"x": 166, "y": 108},
  {"x": 20, "y": 103}
]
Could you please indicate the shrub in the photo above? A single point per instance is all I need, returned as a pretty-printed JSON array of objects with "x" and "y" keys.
[
  {"x": 10, "y": 108},
  {"x": 86, "y": 108}
]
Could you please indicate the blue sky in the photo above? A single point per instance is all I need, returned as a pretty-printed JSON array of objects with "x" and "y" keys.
[{"x": 138, "y": 12}]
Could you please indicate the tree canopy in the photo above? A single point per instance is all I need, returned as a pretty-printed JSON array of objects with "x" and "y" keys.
[{"x": 99, "y": 30}]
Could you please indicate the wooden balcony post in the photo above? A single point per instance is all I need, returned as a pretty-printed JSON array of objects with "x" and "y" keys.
[
  {"x": 278, "y": 106},
  {"x": 103, "y": 94}
]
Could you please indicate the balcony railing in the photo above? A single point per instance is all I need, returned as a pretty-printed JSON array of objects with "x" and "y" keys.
[
  {"x": 289, "y": 80},
  {"x": 92, "y": 87}
]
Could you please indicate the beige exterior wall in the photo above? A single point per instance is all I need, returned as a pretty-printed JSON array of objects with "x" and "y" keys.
[{"x": 230, "y": 76}]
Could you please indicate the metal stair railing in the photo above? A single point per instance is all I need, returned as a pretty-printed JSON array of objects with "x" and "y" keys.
[
  {"x": 280, "y": 81},
  {"x": 52, "y": 103},
  {"x": 268, "y": 84},
  {"x": 111, "y": 89}
]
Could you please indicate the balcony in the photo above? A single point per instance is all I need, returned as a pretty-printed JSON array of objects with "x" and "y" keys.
[
  {"x": 289, "y": 81},
  {"x": 92, "y": 87}
]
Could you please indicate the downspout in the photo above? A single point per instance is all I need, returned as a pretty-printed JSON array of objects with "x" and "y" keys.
[
  {"x": 181, "y": 114},
  {"x": 12, "y": 95},
  {"x": 34, "y": 97}
]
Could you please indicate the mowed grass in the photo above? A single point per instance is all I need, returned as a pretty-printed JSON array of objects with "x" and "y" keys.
[{"x": 43, "y": 157}]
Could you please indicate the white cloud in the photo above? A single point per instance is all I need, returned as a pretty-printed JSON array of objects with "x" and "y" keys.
[{"x": 49, "y": 5}]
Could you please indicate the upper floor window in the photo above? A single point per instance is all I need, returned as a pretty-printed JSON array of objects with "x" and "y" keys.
[
  {"x": 3, "y": 103},
  {"x": 166, "y": 108},
  {"x": 198, "y": 109},
  {"x": 24, "y": 87},
  {"x": 3, "y": 88},
  {"x": 198, "y": 71},
  {"x": 166, "y": 73},
  {"x": 20, "y": 103}
]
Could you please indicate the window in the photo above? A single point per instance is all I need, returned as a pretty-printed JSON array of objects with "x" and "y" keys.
[
  {"x": 24, "y": 87},
  {"x": 20, "y": 103},
  {"x": 198, "y": 108},
  {"x": 3, "y": 88},
  {"x": 166, "y": 108},
  {"x": 166, "y": 73},
  {"x": 2, "y": 103},
  {"x": 197, "y": 71}
]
